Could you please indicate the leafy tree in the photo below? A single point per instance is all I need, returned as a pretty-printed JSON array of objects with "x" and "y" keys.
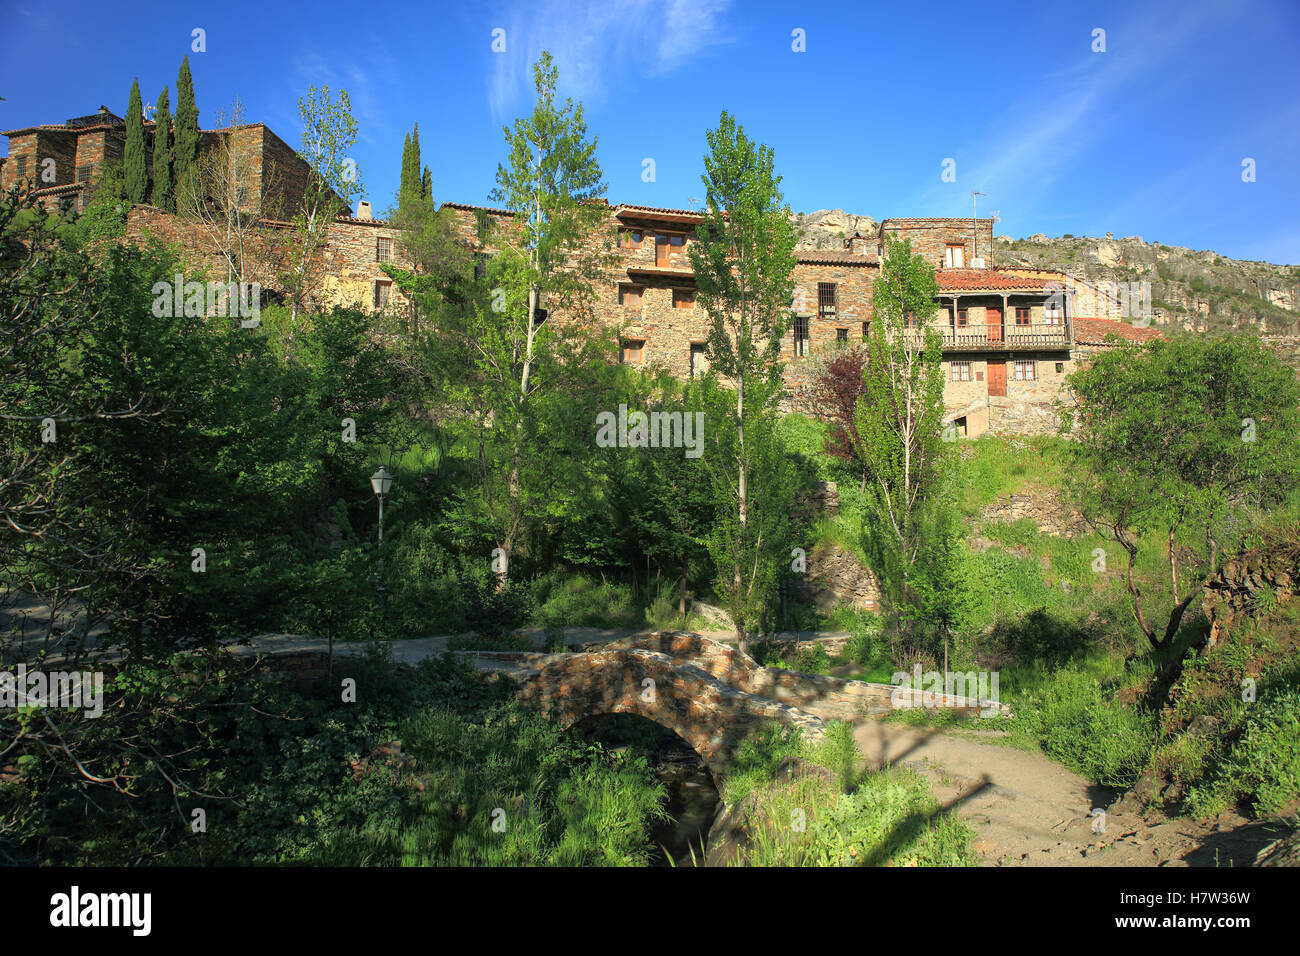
[
  {"x": 527, "y": 381},
  {"x": 899, "y": 420},
  {"x": 743, "y": 260},
  {"x": 839, "y": 383},
  {"x": 163, "y": 195},
  {"x": 187, "y": 127},
  {"x": 329, "y": 132},
  {"x": 1185, "y": 436},
  {"x": 133, "y": 156}
]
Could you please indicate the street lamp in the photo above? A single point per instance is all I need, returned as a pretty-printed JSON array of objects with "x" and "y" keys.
[{"x": 381, "y": 481}]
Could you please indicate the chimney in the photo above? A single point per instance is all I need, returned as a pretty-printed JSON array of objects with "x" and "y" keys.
[
  {"x": 857, "y": 244},
  {"x": 363, "y": 209}
]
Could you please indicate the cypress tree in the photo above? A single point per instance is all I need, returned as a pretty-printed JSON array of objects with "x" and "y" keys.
[
  {"x": 404, "y": 184},
  {"x": 163, "y": 197},
  {"x": 133, "y": 159},
  {"x": 186, "y": 150},
  {"x": 426, "y": 187}
]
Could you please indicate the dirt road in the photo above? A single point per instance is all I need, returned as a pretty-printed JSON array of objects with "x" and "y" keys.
[{"x": 1028, "y": 811}]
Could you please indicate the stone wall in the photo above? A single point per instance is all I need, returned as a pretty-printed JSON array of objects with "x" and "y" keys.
[
  {"x": 1245, "y": 582},
  {"x": 1044, "y": 507},
  {"x": 930, "y": 237}
]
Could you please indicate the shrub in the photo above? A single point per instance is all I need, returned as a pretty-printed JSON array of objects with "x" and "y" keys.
[
  {"x": 1075, "y": 721},
  {"x": 1263, "y": 765}
]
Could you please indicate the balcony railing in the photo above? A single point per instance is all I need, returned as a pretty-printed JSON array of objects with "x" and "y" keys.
[{"x": 984, "y": 338}]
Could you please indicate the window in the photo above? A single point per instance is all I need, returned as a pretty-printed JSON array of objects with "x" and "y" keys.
[
  {"x": 83, "y": 173},
  {"x": 801, "y": 335},
  {"x": 665, "y": 246},
  {"x": 480, "y": 265},
  {"x": 1060, "y": 367},
  {"x": 382, "y": 289},
  {"x": 630, "y": 238},
  {"x": 911, "y": 320},
  {"x": 961, "y": 371},
  {"x": 683, "y": 299},
  {"x": 699, "y": 361},
  {"x": 1022, "y": 315},
  {"x": 383, "y": 249},
  {"x": 825, "y": 300},
  {"x": 961, "y": 318},
  {"x": 21, "y": 169},
  {"x": 866, "y": 329},
  {"x": 841, "y": 335},
  {"x": 629, "y": 297},
  {"x": 634, "y": 351},
  {"x": 1052, "y": 311},
  {"x": 1025, "y": 370},
  {"x": 954, "y": 256}
]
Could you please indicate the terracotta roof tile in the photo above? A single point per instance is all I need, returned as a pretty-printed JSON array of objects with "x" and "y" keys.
[
  {"x": 834, "y": 257},
  {"x": 1094, "y": 331},
  {"x": 472, "y": 208},
  {"x": 994, "y": 280}
]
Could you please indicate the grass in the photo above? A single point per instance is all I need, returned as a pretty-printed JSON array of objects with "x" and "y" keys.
[{"x": 856, "y": 818}]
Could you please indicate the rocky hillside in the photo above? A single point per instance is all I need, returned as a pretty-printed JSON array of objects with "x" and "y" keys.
[{"x": 1197, "y": 291}]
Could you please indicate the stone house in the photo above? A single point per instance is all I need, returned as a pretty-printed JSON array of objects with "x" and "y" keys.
[
  {"x": 1010, "y": 336},
  {"x": 65, "y": 161}
]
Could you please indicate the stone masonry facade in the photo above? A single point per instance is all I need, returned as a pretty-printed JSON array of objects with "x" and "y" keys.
[{"x": 1011, "y": 336}]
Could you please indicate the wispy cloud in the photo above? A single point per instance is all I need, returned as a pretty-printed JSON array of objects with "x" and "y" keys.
[
  {"x": 1046, "y": 131},
  {"x": 598, "y": 44}
]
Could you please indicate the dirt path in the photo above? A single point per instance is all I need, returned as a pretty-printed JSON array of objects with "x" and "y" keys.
[{"x": 1028, "y": 811}]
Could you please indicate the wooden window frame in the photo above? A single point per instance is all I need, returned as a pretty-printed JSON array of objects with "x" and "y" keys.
[
  {"x": 379, "y": 248},
  {"x": 625, "y": 291},
  {"x": 1052, "y": 315},
  {"x": 387, "y": 286},
  {"x": 1028, "y": 365},
  {"x": 1023, "y": 310},
  {"x": 963, "y": 316},
  {"x": 683, "y": 298},
  {"x": 961, "y": 371},
  {"x": 841, "y": 335},
  {"x": 629, "y": 355},
  {"x": 950, "y": 260},
  {"x": 630, "y": 243},
  {"x": 802, "y": 342}
]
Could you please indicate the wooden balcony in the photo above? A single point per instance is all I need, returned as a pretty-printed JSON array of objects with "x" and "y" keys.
[{"x": 998, "y": 338}]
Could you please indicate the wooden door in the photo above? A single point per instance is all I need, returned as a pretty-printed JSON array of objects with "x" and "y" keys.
[
  {"x": 998, "y": 377},
  {"x": 995, "y": 324}
]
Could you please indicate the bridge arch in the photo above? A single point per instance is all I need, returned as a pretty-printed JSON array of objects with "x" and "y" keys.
[{"x": 713, "y": 717}]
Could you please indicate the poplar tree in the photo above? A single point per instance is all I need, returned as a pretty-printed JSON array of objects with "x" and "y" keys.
[
  {"x": 133, "y": 158},
  {"x": 163, "y": 196},
  {"x": 743, "y": 259},
  {"x": 186, "y": 150}
]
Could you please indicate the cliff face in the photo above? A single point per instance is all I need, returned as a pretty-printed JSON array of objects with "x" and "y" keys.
[{"x": 1196, "y": 290}]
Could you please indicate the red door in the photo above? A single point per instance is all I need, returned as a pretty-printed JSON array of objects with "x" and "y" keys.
[
  {"x": 997, "y": 376},
  {"x": 995, "y": 326}
]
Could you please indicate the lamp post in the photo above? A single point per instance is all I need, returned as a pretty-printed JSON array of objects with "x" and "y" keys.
[{"x": 380, "y": 482}]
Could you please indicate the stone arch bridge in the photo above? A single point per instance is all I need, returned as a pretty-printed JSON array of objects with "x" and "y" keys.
[{"x": 708, "y": 693}]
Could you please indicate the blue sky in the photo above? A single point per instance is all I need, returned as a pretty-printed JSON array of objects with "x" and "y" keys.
[{"x": 1147, "y": 138}]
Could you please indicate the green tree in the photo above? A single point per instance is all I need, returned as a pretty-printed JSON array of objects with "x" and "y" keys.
[
  {"x": 163, "y": 196},
  {"x": 329, "y": 133},
  {"x": 743, "y": 259},
  {"x": 899, "y": 422},
  {"x": 1184, "y": 436},
  {"x": 187, "y": 127},
  {"x": 133, "y": 156}
]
